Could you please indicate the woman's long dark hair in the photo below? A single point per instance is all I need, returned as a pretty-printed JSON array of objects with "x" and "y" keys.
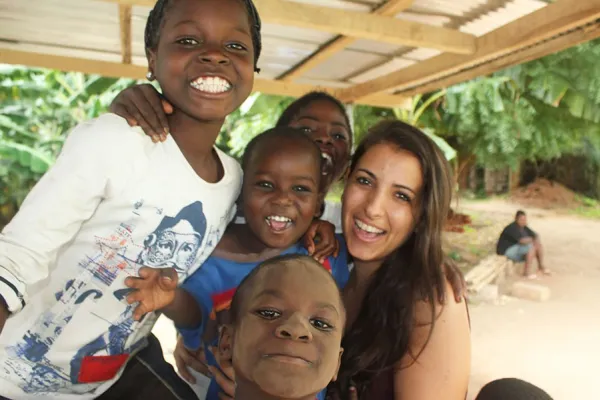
[{"x": 379, "y": 337}]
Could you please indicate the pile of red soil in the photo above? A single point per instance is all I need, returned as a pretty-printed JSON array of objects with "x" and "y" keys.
[
  {"x": 543, "y": 193},
  {"x": 456, "y": 222}
]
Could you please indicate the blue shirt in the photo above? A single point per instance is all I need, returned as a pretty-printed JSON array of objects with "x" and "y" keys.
[{"x": 213, "y": 287}]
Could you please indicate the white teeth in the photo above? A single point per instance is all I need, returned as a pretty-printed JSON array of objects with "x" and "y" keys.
[
  {"x": 367, "y": 228},
  {"x": 327, "y": 158},
  {"x": 211, "y": 84},
  {"x": 279, "y": 218}
]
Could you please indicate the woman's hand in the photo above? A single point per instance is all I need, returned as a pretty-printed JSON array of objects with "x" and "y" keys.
[
  {"x": 143, "y": 106},
  {"x": 185, "y": 358},
  {"x": 320, "y": 240},
  {"x": 224, "y": 375}
]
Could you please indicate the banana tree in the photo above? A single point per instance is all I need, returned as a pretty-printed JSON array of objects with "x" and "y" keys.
[
  {"x": 257, "y": 114},
  {"x": 413, "y": 115},
  {"x": 38, "y": 108}
]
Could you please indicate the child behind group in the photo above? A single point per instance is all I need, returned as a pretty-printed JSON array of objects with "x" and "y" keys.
[
  {"x": 284, "y": 338},
  {"x": 114, "y": 202},
  {"x": 280, "y": 196}
]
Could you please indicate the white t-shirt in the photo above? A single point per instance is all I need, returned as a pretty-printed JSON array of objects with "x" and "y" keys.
[
  {"x": 114, "y": 201},
  {"x": 333, "y": 214}
]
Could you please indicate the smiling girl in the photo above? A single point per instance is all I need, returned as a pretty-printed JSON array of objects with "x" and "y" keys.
[{"x": 113, "y": 202}]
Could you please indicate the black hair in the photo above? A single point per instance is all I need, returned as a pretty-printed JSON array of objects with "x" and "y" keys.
[
  {"x": 380, "y": 335},
  {"x": 293, "y": 109},
  {"x": 513, "y": 389},
  {"x": 519, "y": 213},
  {"x": 280, "y": 133},
  {"x": 242, "y": 289},
  {"x": 157, "y": 16}
]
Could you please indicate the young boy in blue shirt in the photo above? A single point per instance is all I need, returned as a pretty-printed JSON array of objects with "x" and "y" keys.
[{"x": 280, "y": 198}]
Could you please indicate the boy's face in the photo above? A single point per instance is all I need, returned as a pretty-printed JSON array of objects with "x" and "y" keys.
[
  {"x": 205, "y": 58},
  {"x": 286, "y": 341},
  {"x": 280, "y": 195}
]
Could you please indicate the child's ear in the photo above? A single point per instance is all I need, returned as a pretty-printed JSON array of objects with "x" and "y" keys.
[
  {"x": 151, "y": 56},
  {"x": 225, "y": 346},
  {"x": 335, "y": 376}
]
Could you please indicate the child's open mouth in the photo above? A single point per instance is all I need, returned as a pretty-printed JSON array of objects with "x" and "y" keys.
[
  {"x": 327, "y": 163},
  {"x": 211, "y": 84},
  {"x": 278, "y": 223}
]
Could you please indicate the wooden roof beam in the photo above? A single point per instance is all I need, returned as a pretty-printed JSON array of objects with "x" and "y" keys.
[
  {"x": 356, "y": 24},
  {"x": 543, "y": 24},
  {"x": 120, "y": 70},
  {"x": 388, "y": 9},
  {"x": 560, "y": 43},
  {"x": 125, "y": 28}
]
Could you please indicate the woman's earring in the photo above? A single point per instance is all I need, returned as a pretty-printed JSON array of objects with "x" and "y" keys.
[{"x": 150, "y": 76}]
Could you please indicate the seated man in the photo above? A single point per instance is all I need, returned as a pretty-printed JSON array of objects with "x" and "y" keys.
[{"x": 519, "y": 243}]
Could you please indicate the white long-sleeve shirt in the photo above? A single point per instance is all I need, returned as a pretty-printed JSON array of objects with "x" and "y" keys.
[{"x": 113, "y": 202}]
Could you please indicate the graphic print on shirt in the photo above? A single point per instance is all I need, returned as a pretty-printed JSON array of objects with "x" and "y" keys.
[
  {"x": 95, "y": 299},
  {"x": 175, "y": 242},
  {"x": 214, "y": 235}
]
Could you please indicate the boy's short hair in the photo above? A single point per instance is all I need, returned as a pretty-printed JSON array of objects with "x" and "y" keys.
[
  {"x": 242, "y": 290},
  {"x": 281, "y": 133},
  {"x": 519, "y": 213},
  {"x": 156, "y": 19},
  {"x": 513, "y": 389}
]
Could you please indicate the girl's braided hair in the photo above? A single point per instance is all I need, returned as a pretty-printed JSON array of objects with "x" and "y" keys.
[{"x": 157, "y": 15}]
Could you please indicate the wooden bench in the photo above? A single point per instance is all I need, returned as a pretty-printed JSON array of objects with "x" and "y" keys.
[
  {"x": 496, "y": 275},
  {"x": 490, "y": 270}
]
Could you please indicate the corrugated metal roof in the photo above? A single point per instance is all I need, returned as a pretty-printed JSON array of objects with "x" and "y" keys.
[
  {"x": 493, "y": 20},
  {"x": 90, "y": 29}
]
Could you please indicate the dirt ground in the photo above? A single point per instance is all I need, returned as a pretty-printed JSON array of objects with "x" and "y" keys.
[{"x": 555, "y": 344}]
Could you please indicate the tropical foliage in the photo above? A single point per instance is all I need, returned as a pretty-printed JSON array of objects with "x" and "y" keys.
[
  {"x": 38, "y": 108},
  {"x": 539, "y": 110},
  {"x": 257, "y": 114}
]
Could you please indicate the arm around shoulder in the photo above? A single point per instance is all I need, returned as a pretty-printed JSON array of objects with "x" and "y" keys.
[{"x": 442, "y": 367}]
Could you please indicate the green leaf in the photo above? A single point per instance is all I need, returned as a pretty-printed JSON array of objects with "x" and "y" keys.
[
  {"x": 448, "y": 150},
  {"x": 33, "y": 159}
]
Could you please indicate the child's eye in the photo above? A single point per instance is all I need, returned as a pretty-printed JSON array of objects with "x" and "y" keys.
[
  {"x": 321, "y": 325},
  {"x": 305, "y": 129},
  {"x": 187, "y": 41},
  {"x": 236, "y": 46},
  {"x": 264, "y": 185},
  {"x": 363, "y": 181},
  {"x": 268, "y": 314},
  {"x": 302, "y": 189},
  {"x": 339, "y": 136}
]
